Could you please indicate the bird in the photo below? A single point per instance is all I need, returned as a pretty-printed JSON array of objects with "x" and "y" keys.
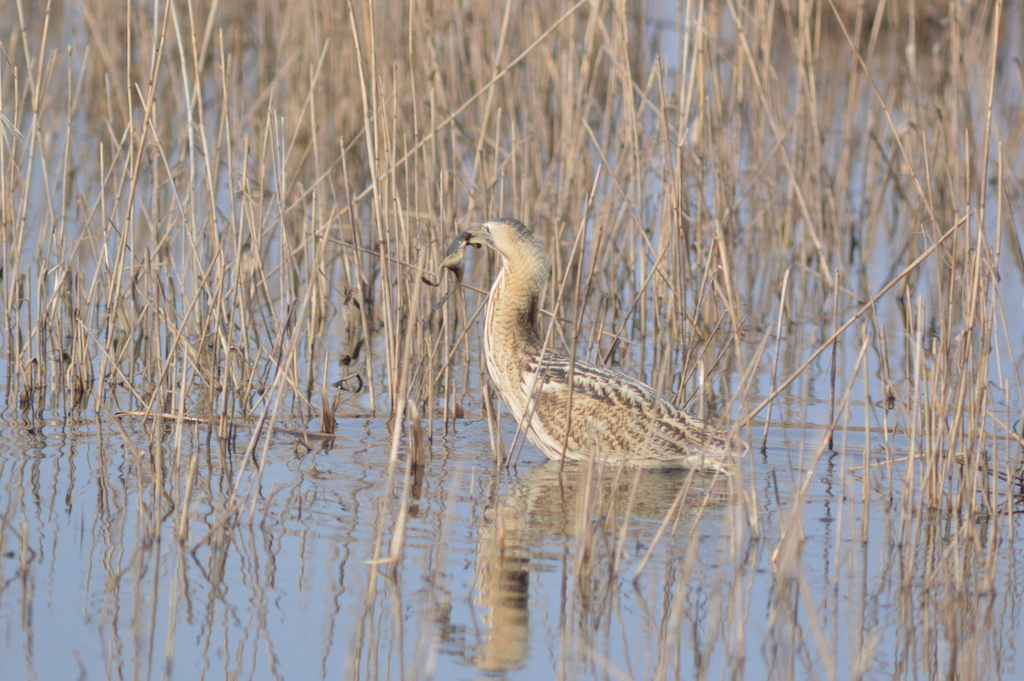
[{"x": 568, "y": 408}]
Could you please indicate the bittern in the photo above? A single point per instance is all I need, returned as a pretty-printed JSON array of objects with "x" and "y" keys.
[{"x": 573, "y": 409}]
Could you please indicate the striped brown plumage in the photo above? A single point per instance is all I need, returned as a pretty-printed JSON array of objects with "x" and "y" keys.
[{"x": 609, "y": 416}]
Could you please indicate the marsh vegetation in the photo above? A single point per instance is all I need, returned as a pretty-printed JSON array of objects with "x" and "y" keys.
[{"x": 238, "y": 442}]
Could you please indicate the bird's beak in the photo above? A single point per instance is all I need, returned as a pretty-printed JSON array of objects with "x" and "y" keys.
[{"x": 477, "y": 236}]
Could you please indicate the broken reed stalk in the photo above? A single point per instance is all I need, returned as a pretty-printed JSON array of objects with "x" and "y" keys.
[
  {"x": 778, "y": 350},
  {"x": 832, "y": 364}
]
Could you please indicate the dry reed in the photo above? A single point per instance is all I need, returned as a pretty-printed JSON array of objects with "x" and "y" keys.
[{"x": 221, "y": 210}]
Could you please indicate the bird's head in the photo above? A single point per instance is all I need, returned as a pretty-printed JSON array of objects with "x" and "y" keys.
[{"x": 520, "y": 250}]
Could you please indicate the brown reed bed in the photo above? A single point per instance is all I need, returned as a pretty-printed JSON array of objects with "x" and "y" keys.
[{"x": 225, "y": 213}]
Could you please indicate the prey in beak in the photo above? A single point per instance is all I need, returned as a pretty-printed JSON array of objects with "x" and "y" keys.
[{"x": 454, "y": 260}]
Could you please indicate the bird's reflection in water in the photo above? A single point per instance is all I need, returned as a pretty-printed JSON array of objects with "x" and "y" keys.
[
  {"x": 502, "y": 583},
  {"x": 587, "y": 505}
]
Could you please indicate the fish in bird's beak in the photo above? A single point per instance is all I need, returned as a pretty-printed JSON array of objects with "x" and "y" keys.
[
  {"x": 476, "y": 236},
  {"x": 454, "y": 260}
]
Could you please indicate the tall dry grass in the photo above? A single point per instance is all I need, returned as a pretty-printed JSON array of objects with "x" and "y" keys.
[{"x": 224, "y": 209}]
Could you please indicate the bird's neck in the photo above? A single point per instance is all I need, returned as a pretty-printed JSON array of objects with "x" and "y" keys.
[{"x": 513, "y": 312}]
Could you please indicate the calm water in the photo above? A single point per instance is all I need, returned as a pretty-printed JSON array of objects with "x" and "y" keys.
[
  {"x": 508, "y": 574},
  {"x": 333, "y": 563}
]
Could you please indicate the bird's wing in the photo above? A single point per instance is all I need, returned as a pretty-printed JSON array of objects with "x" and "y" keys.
[{"x": 615, "y": 416}]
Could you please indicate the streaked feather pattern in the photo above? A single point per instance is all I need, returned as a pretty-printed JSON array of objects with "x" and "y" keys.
[{"x": 603, "y": 413}]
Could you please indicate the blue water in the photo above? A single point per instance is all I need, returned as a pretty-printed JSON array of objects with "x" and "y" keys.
[{"x": 502, "y": 573}]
